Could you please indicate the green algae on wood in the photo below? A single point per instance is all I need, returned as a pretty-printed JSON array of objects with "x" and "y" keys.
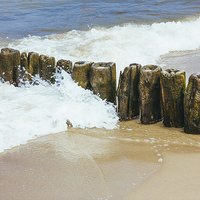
[
  {"x": 103, "y": 80},
  {"x": 173, "y": 85},
  {"x": 127, "y": 92},
  {"x": 192, "y": 105},
  {"x": 10, "y": 65},
  {"x": 150, "y": 94},
  {"x": 81, "y": 73}
]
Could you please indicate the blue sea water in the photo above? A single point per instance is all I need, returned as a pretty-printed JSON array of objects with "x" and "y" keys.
[
  {"x": 123, "y": 32},
  {"x": 20, "y": 18}
]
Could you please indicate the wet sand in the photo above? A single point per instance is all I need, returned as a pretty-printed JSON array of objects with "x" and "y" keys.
[
  {"x": 178, "y": 178},
  {"x": 104, "y": 164},
  {"x": 135, "y": 161}
]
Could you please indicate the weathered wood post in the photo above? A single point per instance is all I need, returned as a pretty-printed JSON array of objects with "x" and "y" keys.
[
  {"x": 24, "y": 61},
  {"x": 127, "y": 92},
  {"x": 9, "y": 65},
  {"x": 65, "y": 65},
  {"x": 25, "y": 76},
  {"x": 81, "y": 73},
  {"x": 192, "y": 105},
  {"x": 150, "y": 94},
  {"x": 173, "y": 84},
  {"x": 33, "y": 63},
  {"x": 47, "y": 68},
  {"x": 103, "y": 80}
]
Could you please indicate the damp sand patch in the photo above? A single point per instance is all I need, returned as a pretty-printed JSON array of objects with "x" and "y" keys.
[
  {"x": 177, "y": 179},
  {"x": 94, "y": 163}
]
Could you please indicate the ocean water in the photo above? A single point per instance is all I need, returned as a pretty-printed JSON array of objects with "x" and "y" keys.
[{"x": 109, "y": 30}]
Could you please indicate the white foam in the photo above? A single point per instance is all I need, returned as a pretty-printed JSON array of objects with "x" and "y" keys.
[
  {"x": 39, "y": 110},
  {"x": 120, "y": 44}
]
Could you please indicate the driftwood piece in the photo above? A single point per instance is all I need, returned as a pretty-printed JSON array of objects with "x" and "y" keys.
[
  {"x": 150, "y": 94},
  {"x": 9, "y": 65},
  {"x": 81, "y": 73},
  {"x": 47, "y": 68},
  {"x": 127, "y": 92},
  {"x": 65, "y": 65},
  {"x": 192, "y": 105},
  {"x": 173, "y": 85},
  {"x": 103, "y": 80}
]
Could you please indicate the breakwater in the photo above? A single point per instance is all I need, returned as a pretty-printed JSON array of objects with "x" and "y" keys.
[{"x": 148, "y": 91}]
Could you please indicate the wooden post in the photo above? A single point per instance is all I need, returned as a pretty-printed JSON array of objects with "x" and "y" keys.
[
  {"x": 103, "y": 80},
  {"x": 65, "y": 65},
  {"x": 24, "y": 61},
  {"x": 128, "y": 94},
  {"x": 9, "y": 65},
  {"x": 150, "y": 94},
  {"x": 47, "y": 68},
  {"x": 33, "y": 63},
  {"x": 81, "y": 73},
  {"x": 192, "y": 105},
  {"x": 25, "y": 76},
  {"x": 173, "y": 85}
]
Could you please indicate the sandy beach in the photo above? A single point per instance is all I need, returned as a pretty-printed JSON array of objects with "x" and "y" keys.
[
  {"x": 177, "y": 179},
  {"x": 134, "y": 161}
]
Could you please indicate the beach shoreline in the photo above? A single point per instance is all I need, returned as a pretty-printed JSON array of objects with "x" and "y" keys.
[{"x": 99, "y": 163}]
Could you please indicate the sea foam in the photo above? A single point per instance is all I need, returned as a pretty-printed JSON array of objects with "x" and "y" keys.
[
  {"x": 32, "y": 111},
  {"x": 123, "y": 45}
]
